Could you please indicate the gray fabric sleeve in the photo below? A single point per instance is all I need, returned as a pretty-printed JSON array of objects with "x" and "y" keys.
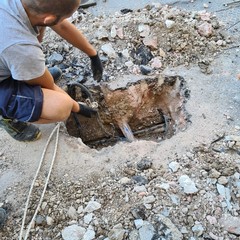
[{"x": 24, "y": 61}]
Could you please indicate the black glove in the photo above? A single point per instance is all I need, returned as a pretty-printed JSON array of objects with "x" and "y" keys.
[
  {"x": 86, "y": 111},
  {"x": 97, "y": 68}
]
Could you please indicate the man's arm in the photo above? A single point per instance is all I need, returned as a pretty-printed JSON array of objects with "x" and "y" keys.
[
  {"x": 46, "y": 81},
  {"x": 74, "y": 36}
]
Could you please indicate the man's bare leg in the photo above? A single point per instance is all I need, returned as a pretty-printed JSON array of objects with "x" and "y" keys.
[{"x": 57, "y": 106}]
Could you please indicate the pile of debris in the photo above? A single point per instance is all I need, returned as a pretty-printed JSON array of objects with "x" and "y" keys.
[{"x": 143, "y": 41}]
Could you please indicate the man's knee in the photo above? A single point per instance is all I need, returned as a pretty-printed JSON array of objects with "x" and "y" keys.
[
  {"x": 64, "y": 114},
  {"x": 56, "y": 106}
]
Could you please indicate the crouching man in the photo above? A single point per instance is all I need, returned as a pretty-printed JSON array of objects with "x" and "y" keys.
[{"x": 28, "y": 93}]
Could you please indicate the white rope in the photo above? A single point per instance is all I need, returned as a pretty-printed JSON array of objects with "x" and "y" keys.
[{"x": 46, "y": 183}]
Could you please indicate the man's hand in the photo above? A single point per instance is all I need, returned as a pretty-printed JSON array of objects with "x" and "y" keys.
[
  {"x": 86, "y": 111},
  {"x": 74, "y": 36},
  {"x": 97, "y": 68}
]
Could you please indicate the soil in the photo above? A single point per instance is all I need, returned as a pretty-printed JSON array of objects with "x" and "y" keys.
[
  {"x": 137, "y": 180},
  {"x": 150, "y": 108}
]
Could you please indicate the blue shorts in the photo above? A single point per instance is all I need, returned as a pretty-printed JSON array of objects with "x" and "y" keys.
[{"x": 21, "y": 101}]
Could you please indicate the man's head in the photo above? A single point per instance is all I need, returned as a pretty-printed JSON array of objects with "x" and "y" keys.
[{"x": 50, "y": 11}]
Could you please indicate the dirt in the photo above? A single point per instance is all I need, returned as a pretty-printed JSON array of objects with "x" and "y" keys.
[
  {"x": 204, "y": 151},
  {"x": 143, "y": 109}
]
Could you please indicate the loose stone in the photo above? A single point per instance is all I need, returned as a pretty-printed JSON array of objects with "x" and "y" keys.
[{"x": 187, "y": 184}]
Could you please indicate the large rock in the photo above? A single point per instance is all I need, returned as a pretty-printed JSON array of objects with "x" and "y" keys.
[
  {"x": 92, "y": 206},
  {"x": 176, "y": 234},
  {"x": 147, "y": 231},
  {"x": 73, "y": 232},
  {"x": 231, "y": 224},
  {"x": 108, "y": 49},
  {"x": 187, "y": 184},
  {"x": 117, "y": 233},
  {"x": 205, "y": 29}
]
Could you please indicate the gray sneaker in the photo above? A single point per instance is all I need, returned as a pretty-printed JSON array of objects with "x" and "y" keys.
[
  {"x": 55, "y": 72},
  {"x": 20, "y": 131},
  {"x": 3, "y": 216}
]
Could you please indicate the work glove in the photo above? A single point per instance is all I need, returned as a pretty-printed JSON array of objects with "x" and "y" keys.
[
  {"x": 86, "y": 110},
  {"x": 97, "y": 68}
]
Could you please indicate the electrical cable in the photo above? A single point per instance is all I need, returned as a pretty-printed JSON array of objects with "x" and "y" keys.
[{"x": 57, "y": 127}]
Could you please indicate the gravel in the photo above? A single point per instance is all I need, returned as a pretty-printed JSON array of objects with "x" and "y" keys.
[
  {"x": 103, "y": 207},
  {"x": 196, "y": 197}
]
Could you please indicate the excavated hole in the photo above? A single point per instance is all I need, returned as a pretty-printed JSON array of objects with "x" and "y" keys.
[{"x": 152, "y": 108}]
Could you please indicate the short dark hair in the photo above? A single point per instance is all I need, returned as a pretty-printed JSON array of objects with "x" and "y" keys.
[{"x": 55, "y": 7}]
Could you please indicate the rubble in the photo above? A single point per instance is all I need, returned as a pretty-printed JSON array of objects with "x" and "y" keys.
[
  {"x": 195, "y": 197},
  {"x": 168, "y": 35}
]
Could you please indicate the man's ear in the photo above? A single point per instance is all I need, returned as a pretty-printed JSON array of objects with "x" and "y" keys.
[{"x": 49, "y": 19}]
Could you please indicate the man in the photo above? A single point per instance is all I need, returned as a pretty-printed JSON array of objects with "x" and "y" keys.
[{"x": 27, "y": 89}]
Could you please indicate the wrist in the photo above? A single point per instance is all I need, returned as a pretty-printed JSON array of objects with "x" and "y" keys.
[
  {"x": 93, "y": 55},
  {"x": 94, "y": 58}
]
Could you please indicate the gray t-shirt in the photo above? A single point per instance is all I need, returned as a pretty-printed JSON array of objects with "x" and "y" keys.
[{"x": 21, "y": 55}]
